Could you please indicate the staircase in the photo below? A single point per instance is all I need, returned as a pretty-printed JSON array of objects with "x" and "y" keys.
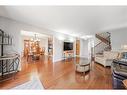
[{"x": 104, "y": 43}]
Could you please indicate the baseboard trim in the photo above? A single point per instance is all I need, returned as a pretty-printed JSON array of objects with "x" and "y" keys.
[{"x": 58, "y": 60}]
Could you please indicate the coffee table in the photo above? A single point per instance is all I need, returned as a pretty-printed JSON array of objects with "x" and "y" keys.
[{"x": 83, "y": 66}]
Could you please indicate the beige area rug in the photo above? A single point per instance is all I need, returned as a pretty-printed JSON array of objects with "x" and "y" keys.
[{"x": 33, "y": 84}]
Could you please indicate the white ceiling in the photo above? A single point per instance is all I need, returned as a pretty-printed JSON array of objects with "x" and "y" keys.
[
  {"x": 32, "y": 34},
  {"x": 73, "y": 20}
]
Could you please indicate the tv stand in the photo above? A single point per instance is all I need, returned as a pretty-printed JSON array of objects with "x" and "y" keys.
[{"x": 68, "y": 54}]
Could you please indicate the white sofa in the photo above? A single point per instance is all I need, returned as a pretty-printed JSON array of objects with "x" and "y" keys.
[{"x": 107, "y": 58}]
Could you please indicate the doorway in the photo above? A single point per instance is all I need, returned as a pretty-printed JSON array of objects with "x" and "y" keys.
[{"x": 36, "y": 45}]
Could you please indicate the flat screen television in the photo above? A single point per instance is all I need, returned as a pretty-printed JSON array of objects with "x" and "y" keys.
[{"x": 68, "y": 46}]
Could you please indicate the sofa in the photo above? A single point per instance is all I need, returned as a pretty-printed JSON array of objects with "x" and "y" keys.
[
  {"x": 119, "y": 73},
  {"x": 107, "y": 58}
]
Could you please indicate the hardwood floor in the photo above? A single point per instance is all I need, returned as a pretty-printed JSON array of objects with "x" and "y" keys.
[{"x": 61, "y": 75}]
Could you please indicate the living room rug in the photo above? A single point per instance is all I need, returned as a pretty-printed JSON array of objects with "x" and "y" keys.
[{"x": 33, "y": 84}]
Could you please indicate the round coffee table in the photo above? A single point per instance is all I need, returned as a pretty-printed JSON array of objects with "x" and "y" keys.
[{"x": 83, "y": 66}]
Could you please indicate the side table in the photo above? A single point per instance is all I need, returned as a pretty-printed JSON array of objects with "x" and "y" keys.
[{"x": 125, "y": 83}]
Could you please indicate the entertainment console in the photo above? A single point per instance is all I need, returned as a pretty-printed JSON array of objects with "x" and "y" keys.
[
  {"x": 68, "y": 50},
  {"x": 9, "y": 63},
  {"x": 68, "y": 54}
]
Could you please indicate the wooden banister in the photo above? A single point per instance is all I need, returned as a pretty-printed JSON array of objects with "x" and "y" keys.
[
  {"x": 103, "y": 39},
  {"x": 100, "y": 42},
  {"x": 97, "y": 44}
]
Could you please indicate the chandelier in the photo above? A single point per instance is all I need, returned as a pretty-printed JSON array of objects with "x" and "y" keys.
[{"x": 35, "y": 39}]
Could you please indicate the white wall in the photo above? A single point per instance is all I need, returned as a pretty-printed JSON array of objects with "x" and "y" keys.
[
  {"x": 118, "y": 38},
  {"x": 44, "y": 43},
  {"x": 58, "y": 41},
  {"x": 57, "y": 49},
  {"x": 84, "y": 48}
]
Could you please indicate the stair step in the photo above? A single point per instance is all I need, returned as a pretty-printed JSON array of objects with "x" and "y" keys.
[{"x": 104, "y": 38}]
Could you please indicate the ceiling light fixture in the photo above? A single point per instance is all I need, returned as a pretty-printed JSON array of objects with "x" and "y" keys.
[{"x": 35, "y": 39}]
